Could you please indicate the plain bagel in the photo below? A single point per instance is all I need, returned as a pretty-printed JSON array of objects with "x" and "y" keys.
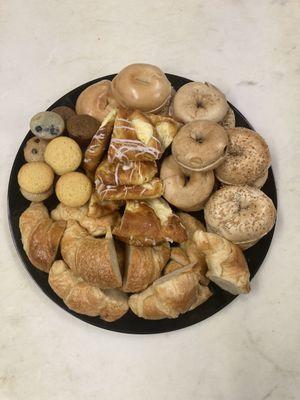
[
  {"x": 142, "y": 86},
  {"x": 96, "y": 100},
  {"x": 247, "y": 160},
  {"x": 241, "y": 214},
  {"x": 200, "y": 145},
  {"x": 199, "y": 101},
  {"x": 189, "y": 191}
]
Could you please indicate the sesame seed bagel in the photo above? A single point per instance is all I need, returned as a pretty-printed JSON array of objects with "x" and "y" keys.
[
  {"x": 200, "y": 145},
  {"x": 186, "y": 190},
  {"x": 248, "y": 158},
  {"x": 241, "y": 214},
  {"x": 199, "y": 101}
]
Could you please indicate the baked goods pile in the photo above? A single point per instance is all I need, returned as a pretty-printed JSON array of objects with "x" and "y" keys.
[{"x": 127, "y": 167}]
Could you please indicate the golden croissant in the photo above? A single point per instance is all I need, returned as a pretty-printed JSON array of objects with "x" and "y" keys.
[
  {"x": 40, "y": 235},
  {"x": 94, "y": 260},
  {"x": 83, "y": 298},
  {"x": 227, "y": 266},
  {"x": 173, "y": 294}
]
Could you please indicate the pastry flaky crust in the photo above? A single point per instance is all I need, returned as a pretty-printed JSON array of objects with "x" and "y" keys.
[
  {"x": 227, "y": 266},
  {"x": 99, "y": 143},
  {"x": 171, "y": 295},
  {"x": 143, "y": 266},
  {"x": 94, "y": 226},
  {"x": 99, "y": 208},
  {"x": 166, "y": 128},
  {"x": 143, "y": 225},
  {"x": 94, "y": 260},
  {"x": 131, "y": 173},
  {"x": 134, "y": 138},
  {"x": 83, "y": 298},
  {"x": 193, "y": 253},
  {"x": 40, "y": 235},
  {"x": 148, "y": 190}
]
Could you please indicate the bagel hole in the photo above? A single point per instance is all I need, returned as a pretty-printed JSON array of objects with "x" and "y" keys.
[
  {"x": 186, "y": 180},
  {"x": 197, "y": 138}
]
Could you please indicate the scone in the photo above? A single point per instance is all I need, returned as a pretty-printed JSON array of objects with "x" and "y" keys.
[
  {"x": 34, "y": 149},
  {"x": 73, "y": 189},
  {"x": 63, "y": 154},
  {"x": 35, "y": 177}
]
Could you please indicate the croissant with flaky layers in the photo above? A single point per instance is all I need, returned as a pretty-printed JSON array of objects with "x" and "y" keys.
[
  {"x": 83, "y": 298},
  {"x": 94, "y": 260},
  {"x": 40, "y": 235}
]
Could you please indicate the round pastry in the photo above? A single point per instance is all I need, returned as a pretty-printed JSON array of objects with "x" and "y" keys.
[
  {"x": 34, "y": 149},
  {"x": 248, "y": 158},
  {"x": 63, "y": 154},
  {"x": 142, "y": 86},
  {"x": 200, "y": 145},
  {"x": 82, "y": 128},
  {"x": 36, "y": 197},
  {"x": 73, "y": 189},
  {"x": 47, "y": 125},
  {"x": 65, "y": 112},
  {"x": 188, "y": 191},
  {"x": 35, "y": 177},
  {"x": 199, "y": 101},
  {"x": 229, "y": 120},
  {"x": 241, "y": 214},
  {"x": 96, "y": 100}
]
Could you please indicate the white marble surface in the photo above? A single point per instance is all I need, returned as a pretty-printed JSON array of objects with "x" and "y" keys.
[{"x": 250, "y": 350}]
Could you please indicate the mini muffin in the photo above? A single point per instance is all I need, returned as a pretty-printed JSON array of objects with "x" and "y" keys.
[
  {"x": 73, "y": 189},
  {"x": 63, "y": 154},
  {"x": 65, "y": 112},
  {"x": 34, "y": 149},
  {"x": 35, "y": 177},
  {"x": 37, "y": 196},
  {"x": 82, "y": 128},
  {"x": 47, "y": 125}
]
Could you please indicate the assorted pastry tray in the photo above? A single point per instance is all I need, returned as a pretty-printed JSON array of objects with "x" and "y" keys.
[{"x": 142, "y": 202}]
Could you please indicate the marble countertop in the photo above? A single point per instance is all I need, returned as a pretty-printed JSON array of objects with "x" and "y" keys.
[{"x": 250, "y": 49}]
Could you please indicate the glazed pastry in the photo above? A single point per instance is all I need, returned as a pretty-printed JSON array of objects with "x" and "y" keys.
[
  {"x": 98, "y": 208},
  {"x": 65, "y": 112},
  {"x": 171, "y": 267},
  {"x": 96, "y": 100},
  {"x": 63, "y": 154},
  {"x": 99, "y": 143},
  {"x": 83, "y": 298},
  {"x": 229, "y": 120},
  {"x": 148, "y": 190},
  {"x": 73, "y": 189},
  {"x": 82, "y": 128},
  {"x": 134, "y": 138},
  {"x": 94, "y": 226},
  {"x": 199, "y": 101},
  {"x": 143, "y": 266},
  {"x": 170, "y": 296},
  {"x": 35, "y": 177},
  {"x": 227, "y": 266},
  {"x": 179, "y": 255},
  {"x": 166, "y": 128},
  {"x": 40, "y": 236},
  {"x": 142, "y": 86},
  {"x": 194, "y": 255},
  {"x": 94, "y": 260},
  {"x": 149, "y": 223},
  {"x": 189, "y": 191},
  {"x": 248, "y": 158},
  {"x": 241, "y": 214},
  {"x": 47, "y": 125},
  {"x": 36, "y": 197},
  {"x": 200, "y": 146},
  {"x": 34, "y": 149},
  {"x": 131, "y": 173}
]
